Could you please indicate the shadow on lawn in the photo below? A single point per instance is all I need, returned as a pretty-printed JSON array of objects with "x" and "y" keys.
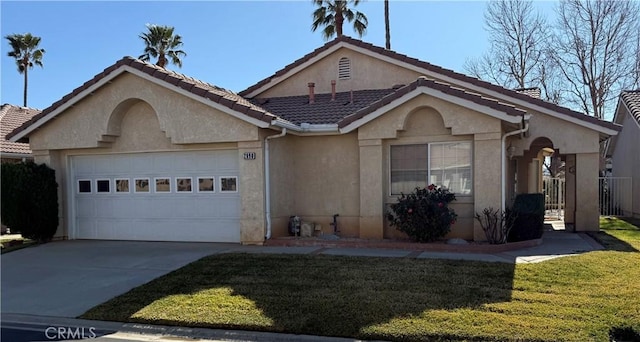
[
  {"x": 321, "y": 295},
  {"x": 629, "y": 227}
]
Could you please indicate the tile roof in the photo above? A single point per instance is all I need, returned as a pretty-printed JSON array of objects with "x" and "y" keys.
[
  {"x": 433, "y": 68},
  {"x": 12, "y": 117},
  {"x": 533, "y": 92},
  {"x": 342, "y": 111},
  {"x": 436, "y": 85},
  {"x": 216, "y": 94},
  {"x": 631, "y": 98},
  {"x": 297, "y": 109}
]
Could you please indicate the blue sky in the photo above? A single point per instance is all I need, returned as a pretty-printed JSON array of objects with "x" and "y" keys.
[{"x": 232, "y": 44}]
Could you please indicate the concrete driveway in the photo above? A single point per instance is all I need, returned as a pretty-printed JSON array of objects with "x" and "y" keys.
[{"x": 67, "y": 278}]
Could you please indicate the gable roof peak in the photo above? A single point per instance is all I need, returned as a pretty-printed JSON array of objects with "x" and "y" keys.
[{"x": 631, "y": 99}]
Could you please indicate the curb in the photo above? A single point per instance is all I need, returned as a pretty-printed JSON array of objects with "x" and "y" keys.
[{"x": 155, "y": 331}]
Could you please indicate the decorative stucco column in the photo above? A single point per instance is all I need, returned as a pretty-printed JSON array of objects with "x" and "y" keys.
[
  {"x": 487, "y": 177},
  {"x": 587, "y": 216},
  {"x": 371, "y": 189},
  {"x": 570, "y": 192},
  {"x": 251, "y": 184}
]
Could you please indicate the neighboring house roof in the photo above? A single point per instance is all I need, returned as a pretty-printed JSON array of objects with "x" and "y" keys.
[
  {"x": 398, "y": 58},
  {"x": 168, "y": 78},
  {"x": 628, "y": 103},
  {"x": 631, "y": 99},
  {"x": 12, "y": 117}
]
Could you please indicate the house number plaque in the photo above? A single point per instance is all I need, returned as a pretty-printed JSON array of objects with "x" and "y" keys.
[{"x": 249, "y": 156}]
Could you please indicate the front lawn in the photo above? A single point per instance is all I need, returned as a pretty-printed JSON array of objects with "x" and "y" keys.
[
  {"x": 576, "y": 298},
  {"x": 12, "y": 243}
]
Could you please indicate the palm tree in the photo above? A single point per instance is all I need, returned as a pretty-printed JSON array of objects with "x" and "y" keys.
[
  {"x": 332, "y": 13},
  {"x": 24, "y": 48},
  {"x": 161, "y": 43},
  {"x": 386, "y": 25}
]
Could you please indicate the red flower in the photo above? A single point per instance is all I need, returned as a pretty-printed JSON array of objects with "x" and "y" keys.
[
  {"x": 431, "y": 187},
  {"x": 440, "y": 205},
  {"x": 409, "y": 210},
  {"x": 453, "y": 221}
]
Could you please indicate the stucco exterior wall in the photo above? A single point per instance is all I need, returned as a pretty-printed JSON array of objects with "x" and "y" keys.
[
  {"x": 366, "y": 73},
  {"x": 315, "y": 178},
  {"x": 626, "y": 158},
  {"x": 566, "y": 136},
  {"x": 96, "y": 119},
  {"x": 426, "y": 119},
  {"x": 283, "y": 183}
]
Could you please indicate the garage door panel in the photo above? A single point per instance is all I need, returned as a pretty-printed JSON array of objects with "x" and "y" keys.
[
  {"x": 140, "y": 163},
  {"x": 173, "y": 216},
  {"x": 125, "y": 207},
  {"x": 104, "y": 165},
  {"x": 86, "y": 228},
  {"x": 86, "y": 208},
  {"x": 226, "y": 209}
]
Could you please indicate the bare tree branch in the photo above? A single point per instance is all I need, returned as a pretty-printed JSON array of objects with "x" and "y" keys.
[
  {"x": 595, "y": 46},
  {"x": 517, "y": 35}
]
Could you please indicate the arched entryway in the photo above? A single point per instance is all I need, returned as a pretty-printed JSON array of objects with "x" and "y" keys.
[{"x": 543, "y": 168}]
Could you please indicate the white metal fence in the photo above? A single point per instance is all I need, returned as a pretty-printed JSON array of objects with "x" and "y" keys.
[
  {"x": 615, "y": 196},
  {"x": 554, "y": 197}
]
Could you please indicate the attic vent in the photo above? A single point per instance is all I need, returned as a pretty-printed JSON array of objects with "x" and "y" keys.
[{"x": 344, "y": 69}]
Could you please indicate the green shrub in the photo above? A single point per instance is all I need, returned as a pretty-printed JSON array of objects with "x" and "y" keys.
[
  {"x": 30, "y": 200},
  {"x": 624, "y": 334},
  {"x": 424, "y": 215},
  {"x": 529, "y": 221}
]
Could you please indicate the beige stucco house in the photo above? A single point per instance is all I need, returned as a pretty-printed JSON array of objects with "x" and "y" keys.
[
  {"x": 624, "y": 148},
  {"x": 145, "y": 153}
]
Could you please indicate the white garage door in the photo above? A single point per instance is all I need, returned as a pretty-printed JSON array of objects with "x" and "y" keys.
[{"x": 172, "y": 196}]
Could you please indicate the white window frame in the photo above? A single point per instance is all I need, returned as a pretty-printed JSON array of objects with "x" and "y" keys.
[
  {"x": 228, "y": 191},
  {"x": 183, "y": 192},
  {"x": 115, "y": 186},
  {"x": 98, "y": 189},
  {"x": 78, "y": 186},
  {"x": 429, "y": 144},
  {"x": 155, "y": 185},
  {"x": 135, "y": 188},
  {"x": 213, "y": 181}
]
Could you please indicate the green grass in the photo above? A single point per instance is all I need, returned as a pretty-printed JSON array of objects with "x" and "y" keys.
[
  {"x": 575, "y": 298},
  {"x": 13, "y": 244}
]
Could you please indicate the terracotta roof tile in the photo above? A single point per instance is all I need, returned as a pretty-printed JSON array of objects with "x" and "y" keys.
[
  {"x": 440, "y": 86},
  {"x": 436, "y": 69},
  {"x": 631, "y": 98},
  {"x": 216, "y": 94},
  {"x": 297, "y": 109},
  {"x": 12, "y": 117}
]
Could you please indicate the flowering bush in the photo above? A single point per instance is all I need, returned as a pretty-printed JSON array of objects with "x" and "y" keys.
[{"x": 424, "y": 214}]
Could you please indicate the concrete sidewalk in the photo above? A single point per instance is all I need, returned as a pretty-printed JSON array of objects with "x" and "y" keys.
[{"x": 555, "y": 244}]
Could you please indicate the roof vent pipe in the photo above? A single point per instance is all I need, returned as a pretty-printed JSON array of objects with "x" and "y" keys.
[
  {"x": 333, "y": 90},
  {"x": 351, "y": 96},
  {"x": 312, "y": 96}
]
